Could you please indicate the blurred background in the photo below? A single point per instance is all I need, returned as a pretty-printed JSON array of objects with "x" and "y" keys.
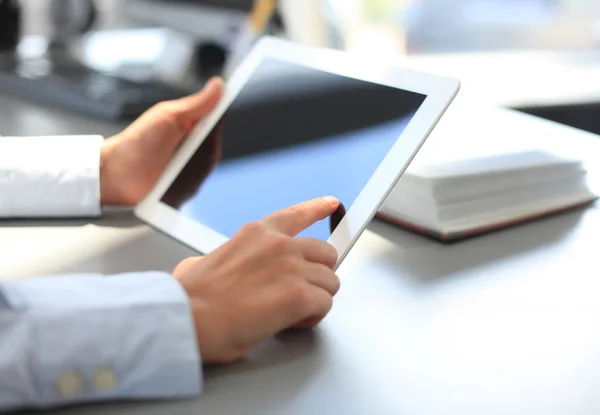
[
  {"x": 111, "y": 59},
  {"x": 414, "y": 26}
]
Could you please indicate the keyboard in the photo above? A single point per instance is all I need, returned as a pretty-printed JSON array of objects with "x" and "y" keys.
[{"x": 72, "y": 86}]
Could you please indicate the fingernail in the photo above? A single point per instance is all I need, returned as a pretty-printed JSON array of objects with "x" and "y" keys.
[{"x": 333, "y": 201}]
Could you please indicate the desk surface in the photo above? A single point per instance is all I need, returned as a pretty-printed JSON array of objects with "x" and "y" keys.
[
  {"x": 503, "y": 324},
  {"x": 507, "y": 323},
  {"x": 519, "y": 79}
]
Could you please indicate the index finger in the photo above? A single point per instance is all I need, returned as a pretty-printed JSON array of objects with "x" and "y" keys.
[{"x": 294, "y": 219}]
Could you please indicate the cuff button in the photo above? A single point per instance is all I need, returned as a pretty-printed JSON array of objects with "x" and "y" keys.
[
  {"x": 70, "y": 384},
  {"x": 104, "y": 380}
]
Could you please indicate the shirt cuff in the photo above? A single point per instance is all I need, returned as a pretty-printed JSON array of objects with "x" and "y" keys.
[
  {"x": 55, "y": 176},
  {"x": 92, "y": 338}
]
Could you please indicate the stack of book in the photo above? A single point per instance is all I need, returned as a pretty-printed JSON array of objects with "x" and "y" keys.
[{"x": 455, "y": 200}]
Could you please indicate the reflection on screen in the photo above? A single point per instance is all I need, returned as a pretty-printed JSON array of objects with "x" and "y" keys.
[{"x": 292, "y": 134}]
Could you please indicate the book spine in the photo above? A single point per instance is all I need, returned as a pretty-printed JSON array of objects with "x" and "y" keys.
[{"x": 461, "y": 235}]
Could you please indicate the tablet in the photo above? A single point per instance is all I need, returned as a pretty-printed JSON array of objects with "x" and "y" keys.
[{"x": 296, "y": 123}]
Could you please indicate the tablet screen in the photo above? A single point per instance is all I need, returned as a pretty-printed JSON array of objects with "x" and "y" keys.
[{"x": 292, "y": 134}]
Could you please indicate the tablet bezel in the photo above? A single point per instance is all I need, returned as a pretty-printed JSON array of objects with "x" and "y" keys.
[{"x": 439, "y": 92}]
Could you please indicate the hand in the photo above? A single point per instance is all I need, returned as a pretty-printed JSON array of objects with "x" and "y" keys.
[
  {"x": 261, "y": 282},
  {"x": 132, "y": 161}
]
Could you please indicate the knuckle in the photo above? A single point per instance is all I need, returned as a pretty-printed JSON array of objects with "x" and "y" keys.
[
  {"x": 331, "y": 254},
  {"x": 323, "y": 304},
  {"x": 276, "y": 242},
  {"x": 330, "y": 280},
  {"x": 335, "y": 283},
  {"x": 164, "y": 106},
  {"x": 327, "y": 304},
  {"x": 328, "y": 255},
  {"x": 294, "y": 213},
  {"x": 295, "y": 209},
  {"x": 289, "y": 265},
  {"x": 253, "y": 228},
  {"x": 299, "y": 295}
]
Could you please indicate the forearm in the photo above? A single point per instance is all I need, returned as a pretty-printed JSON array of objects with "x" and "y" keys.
[
  {"x": 109, "y": 186},
  {"x": 66, "y": 340}
]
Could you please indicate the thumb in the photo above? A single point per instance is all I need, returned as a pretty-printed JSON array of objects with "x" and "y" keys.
[{"x": 191, "y": 109}]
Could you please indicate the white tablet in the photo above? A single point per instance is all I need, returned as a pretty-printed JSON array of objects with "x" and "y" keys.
[{"x": 297, "y": 123}]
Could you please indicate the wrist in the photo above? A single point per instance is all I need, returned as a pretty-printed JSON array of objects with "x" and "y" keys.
[
  {"x": 209, "y": 322},
  {"x": 107, "y": 182}
]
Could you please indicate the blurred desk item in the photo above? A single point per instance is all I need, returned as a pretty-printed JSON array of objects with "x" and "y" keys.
[
  {"x": 63, "y": 82},
  {"x": 141, "y": 55},
  {"x": 562, "y": 86},
  {"x": 70, "y": 19},
  {"x": 503, "y": 324},
  {"x": 206, "y": 21},
  {"x": 24, "y": 117},
  {"x": 10, "y": 24},
  {"x": 118, "y": 74},
  {"x": 45, "y": 70},
  {"x": 220, "y": 22},
  {"x": 256, "y": 26}
]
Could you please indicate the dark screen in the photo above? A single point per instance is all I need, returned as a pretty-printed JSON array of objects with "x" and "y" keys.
[{"x": 292, "y": 134}]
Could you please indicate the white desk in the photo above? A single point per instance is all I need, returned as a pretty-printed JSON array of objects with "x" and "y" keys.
[
  {"x": 508, "y": 323},
  {"x": 519, "y": 79}
]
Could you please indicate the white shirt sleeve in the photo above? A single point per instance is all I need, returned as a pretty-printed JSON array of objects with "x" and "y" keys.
[
  {"x": 87, "y": 338},
  {"x": 90, "y": 338},
  {"x": 50, "y": 176}
]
